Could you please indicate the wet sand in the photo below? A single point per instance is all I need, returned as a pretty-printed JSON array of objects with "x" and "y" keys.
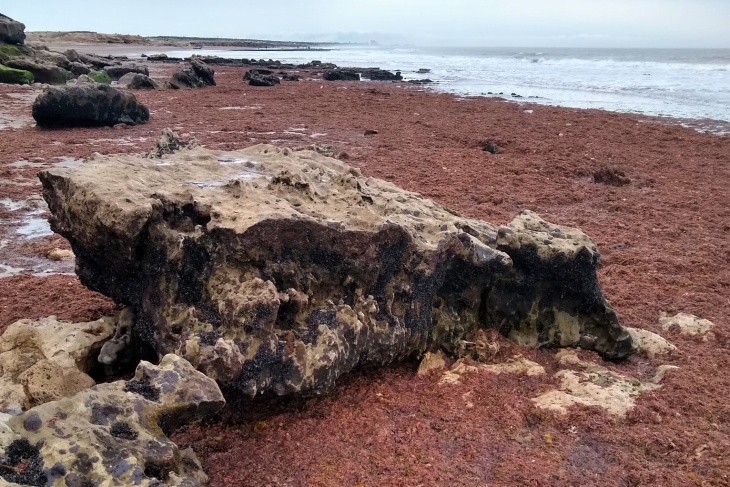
[{"x": 663, "y": 240}]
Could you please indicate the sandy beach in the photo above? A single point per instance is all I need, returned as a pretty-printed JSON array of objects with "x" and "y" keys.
[{"x": 662, "y": 237}]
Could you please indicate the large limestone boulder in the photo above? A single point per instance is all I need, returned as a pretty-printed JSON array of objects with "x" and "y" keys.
[
  {"x": 197, "y": 75},
  {"x": 85, "y": 105},
  {"x": 43, "y": 71},
  {"x": 112, "y": 434},
  {"x": 272, "y": 269},
  {"x": 11, "y": 31},
  {"x": 45, "y": 360}
]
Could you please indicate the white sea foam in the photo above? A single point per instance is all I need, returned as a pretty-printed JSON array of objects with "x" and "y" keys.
[{"x": 686, "y": 84}]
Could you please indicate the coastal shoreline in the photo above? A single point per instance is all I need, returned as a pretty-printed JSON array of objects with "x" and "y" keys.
[{"x": 662, "y": 238}]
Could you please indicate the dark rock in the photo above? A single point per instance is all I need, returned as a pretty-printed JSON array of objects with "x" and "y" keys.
[
  {"x": 290, "y": 77},
  {"x": 341, "y": 75},
  {"x": 87, "y": 106},
  {"x": 305, "y": 269},
  {"x": 611, "y": 177},
  {"x": 97, "y": 62},
  {"x": 157, "y": 57},
  {"x": 137, "y": 81},
  {"x": 425, "y": 81},
  {"x": 78, "y": 68},
  {"x": 116, "y": 72},
  {"x": 492, "y": 148},
  {"x": 423, "y": 71},
  {"x": 11, "y": 31},
  {"x": 100, "y": 77},
  {"x": 252, "y": 73},
  {"x": 371, "y": 132},
  {"x": 382, "y": 75},
  {"x": 42, "y": 72},
  {"x": 263, "y": 81},
  {"x": 198, "y": 75}
]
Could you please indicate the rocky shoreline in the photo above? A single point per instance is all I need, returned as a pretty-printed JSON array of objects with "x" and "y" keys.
[{"x": 478, "y": 420}]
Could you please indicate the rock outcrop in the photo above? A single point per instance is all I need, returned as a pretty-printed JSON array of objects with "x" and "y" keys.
[
  {"x": 43, "y": 72},
  {"x": 15, "y": 76},
  {"x": 382, "y": 75},
  {"x": 137, "y": 81},
  {"x": 116, "y": 72},
  {"x": 198, "y": 75},
  {"x": 260, "y": 77},
  {"x": 45, "y": 360},
  {"x": 85, "y": 105},
  {"x": 341, "y": 75},
  {"x": 278, "y": 270},
  {"x": 112, "y": 434},
  {"x": 11, "y": 31}
]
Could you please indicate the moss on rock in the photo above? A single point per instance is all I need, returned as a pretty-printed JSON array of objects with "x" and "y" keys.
[
  {"x": 100, "y": 77},
  {"x": 15, "y": 76}
]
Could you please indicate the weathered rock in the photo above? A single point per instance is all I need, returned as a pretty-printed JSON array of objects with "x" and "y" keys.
[
  {"x": 423, "y": 71},
  {"x": 51, "y": 57},
  {"x": 157, "y": 57},
  {"x": 261, "y": 77},
  {"x": 116, "y": 72},
  {"x": 11, "y": 31},
  {"x": 78, "y": 68},
  {"x": 112, "y": 434},
  {"x": 382, "y": 75},
  {"x": 97, "y": 62},
  {"x": 278, "y": 270},
  {"x": 47, "y": 359},
  {"x": 15, "y": 76},
  {"x": 687, "y": 324},
  {"x": 341, "y": 75},
  {"x": 650, "y": 343},
  {"x": 198, "y": 75},
  {"x": 595, "y": 385},
  {"x": 43, "y": 72},
  {"x": 169, "y": 143},
  {"x": 611, "y": 177},
  {"x": 85, "y": 105},
  {"x": 136, "y": 81},
  {"x": 290, "y": 77},
  {"x": 100, "y": 77}
]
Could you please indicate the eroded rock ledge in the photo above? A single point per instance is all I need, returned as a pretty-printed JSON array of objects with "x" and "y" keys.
[{"x": 278, "y": 270}]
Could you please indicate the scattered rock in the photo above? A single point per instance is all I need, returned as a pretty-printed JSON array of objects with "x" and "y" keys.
[
  {"x": 518, "y": 365},
  {"x": 595, "y": 386},
  {"x": 43, "y": 72},
  {"x": 424, "y": 81},
  {"x": 290, "y": 77},
  {"x": 611, "y": 177},
  {"x": 116, "y": 72},
  {"x": 423, "y": 71},
  {"x": 44, "y": 360},
  {"x": 136, "y": 81},
  {"x": 341, "y": 75},
  {"x": 650, "y": 343},
  {"x": 492, "y": 148},
  {"x": 157, "y": 57},
  {"x": 430, "y": 362},
  {"x": 78, "y": 69},
  {"x": 106, "y": 435},
  {"x": 11, "y": 31},
  {"x": 60, "y": 254},
  {"x": 198, "y": 75},
  {"x": 303, "y": 268},
  {"x": 371, "y": 132},
  {"x": 100, "y": 77},
  {"x": 169, "y": 143},
  {"x": 687, "y": 324},
  {"x": 15, "y": 76},
  {"x": 87, "y": 106},
  {"x": 382, "y": 75}
]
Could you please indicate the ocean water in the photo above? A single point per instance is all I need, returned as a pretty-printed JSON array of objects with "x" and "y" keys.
[{"x": 690, "y": 86}]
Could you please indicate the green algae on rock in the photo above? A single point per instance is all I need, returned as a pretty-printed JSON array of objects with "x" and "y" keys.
[
  {"x": 278, "y": 270},
  {"x": 15, "y": 76}
]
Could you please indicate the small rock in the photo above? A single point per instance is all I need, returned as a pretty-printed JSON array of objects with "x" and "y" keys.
[
  {"x": 430, "y": 362},
  {"x": 371, "y": 132},
  {"x": 686, "y": 324},
  {"x": 610, "y": 177},
  {"x": 492, "y": 148},
  {"x": 61, "y": 254},
  {"x": 650, "y": 343}
]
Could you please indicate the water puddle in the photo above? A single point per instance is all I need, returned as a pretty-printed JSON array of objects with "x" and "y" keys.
[
  {"x": 253, "y": 107},
  {"x": 24, "y": 163},
  {"x": 68, "y": 162},
  {"x": 35, "y": 227},
  {"x": 11, "y": 205}
]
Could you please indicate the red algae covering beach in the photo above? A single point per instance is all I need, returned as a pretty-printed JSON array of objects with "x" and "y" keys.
[{"x": 663, "y": 235}]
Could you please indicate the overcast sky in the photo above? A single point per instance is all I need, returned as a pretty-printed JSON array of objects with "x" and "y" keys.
[{"x": 534, "y": 23}]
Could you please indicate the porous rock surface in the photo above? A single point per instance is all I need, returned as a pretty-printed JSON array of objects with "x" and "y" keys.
[
  {"x": 87, "y": 105},
  {"x": 112, "y": 434},
  {"x": 45, "y": 360},
  {"x": 11, "y": 31},
  {"x": 278, "y": 270},
  {"x": 197, "y": 75}
]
